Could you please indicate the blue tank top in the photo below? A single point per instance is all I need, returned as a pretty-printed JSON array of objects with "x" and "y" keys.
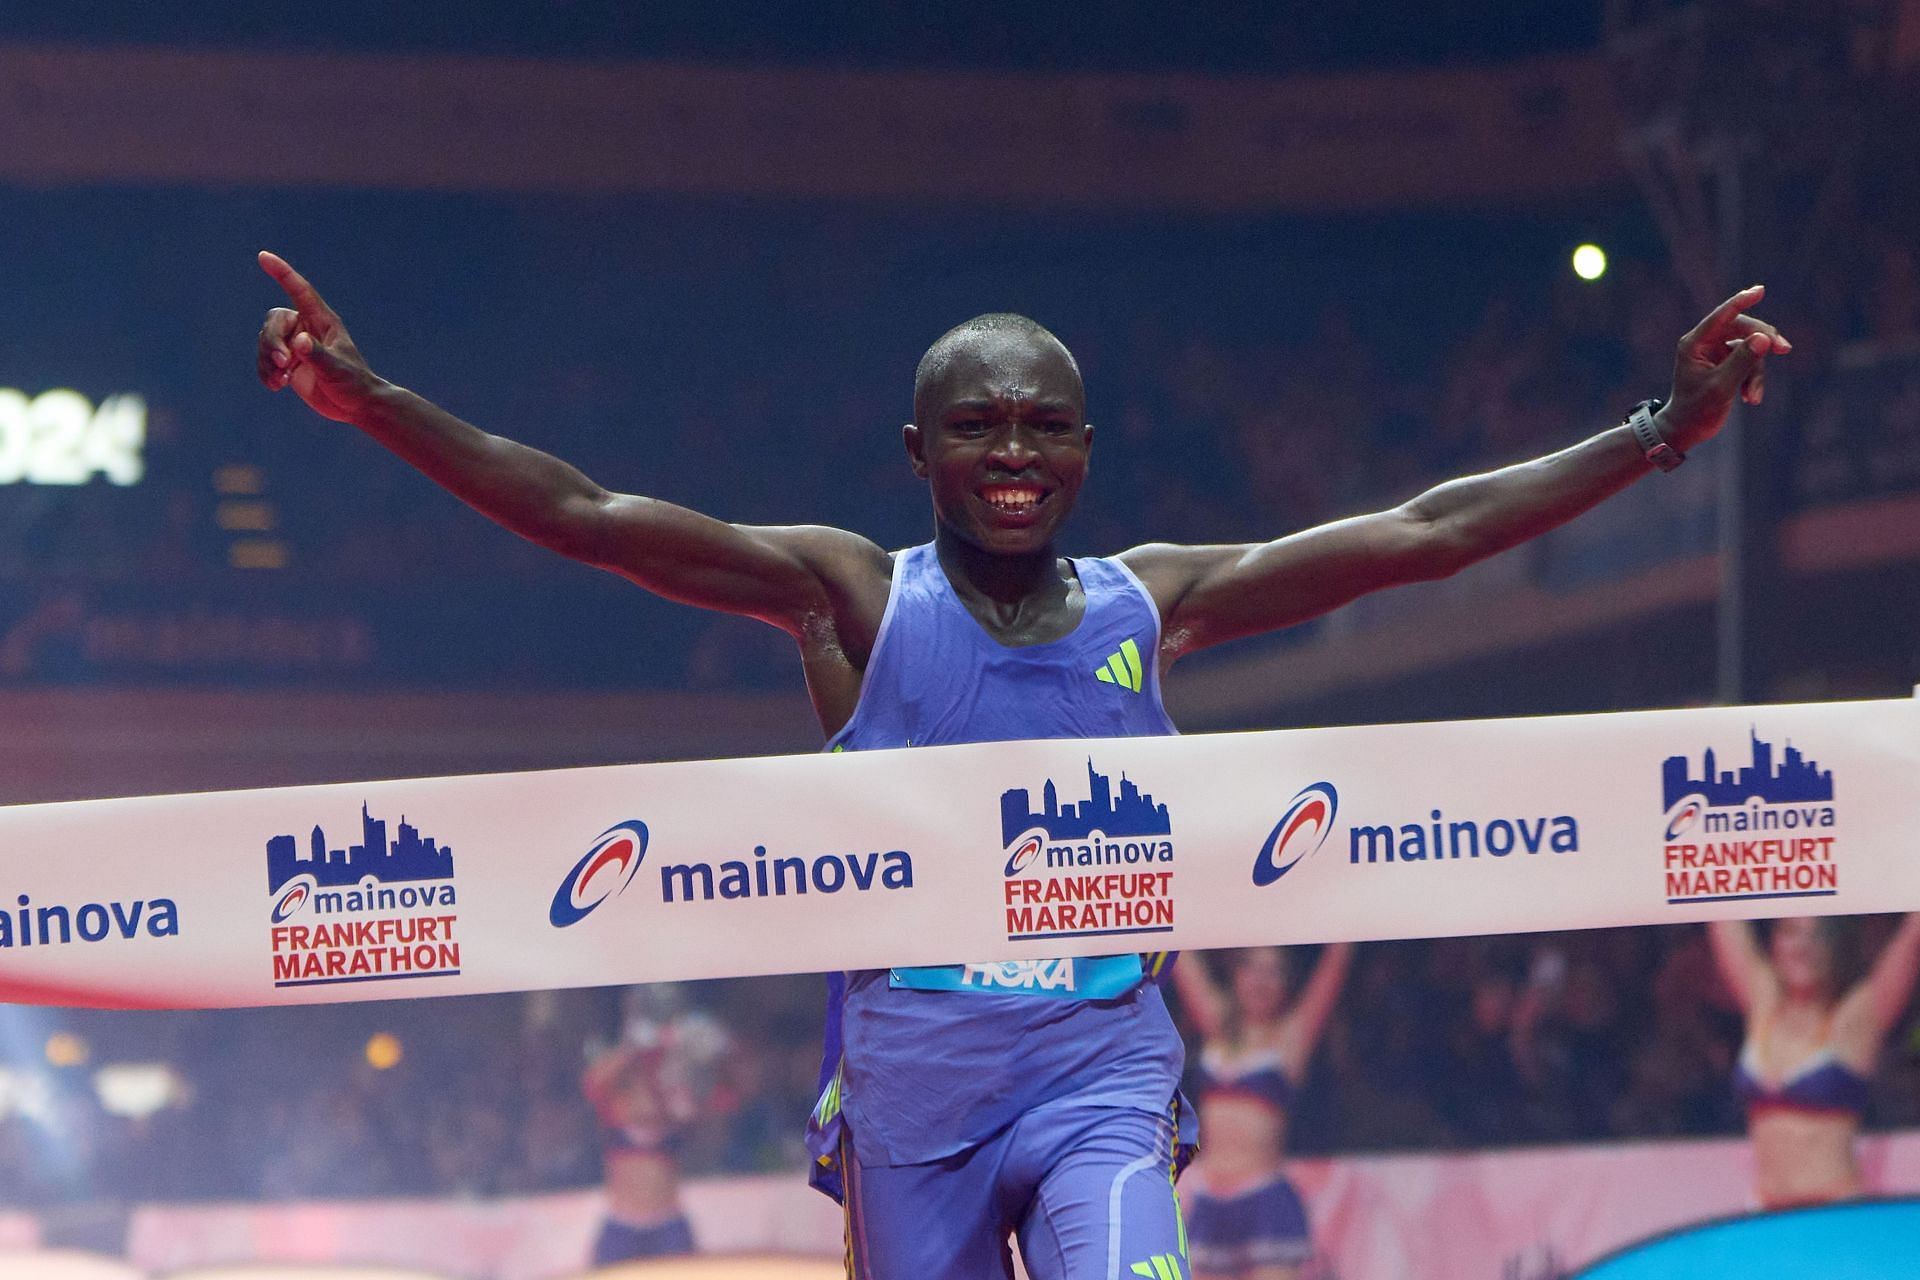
[{"x": 921, "y": 1062}]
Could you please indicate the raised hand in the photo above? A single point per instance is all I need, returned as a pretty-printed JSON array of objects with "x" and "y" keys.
[
  {"x": 1723, "y": 356},
  {"x": 307, "y": 347}
]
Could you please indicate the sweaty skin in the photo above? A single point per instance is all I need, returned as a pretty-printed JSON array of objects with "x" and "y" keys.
[{"x": 1000, "y": 436}]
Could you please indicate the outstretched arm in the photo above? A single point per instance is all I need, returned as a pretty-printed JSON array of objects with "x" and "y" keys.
[
  {"x": 1742, "y": 964},
  {"x": 1889, "y": 984},
  {"x": 1317, "y": 1000},
  {"x": 785, "y": 576},
  {"x": 1200, "y": 995},
  {"x": 1208, "y": 595}
]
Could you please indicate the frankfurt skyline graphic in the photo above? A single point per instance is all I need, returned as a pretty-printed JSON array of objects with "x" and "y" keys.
[
  {"x": 1796, "y": 779},
  {"x": 1133, "y": 814},
  {"x": 410, "y": 856}
]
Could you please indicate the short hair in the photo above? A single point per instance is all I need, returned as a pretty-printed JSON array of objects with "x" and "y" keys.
[{"x": 940, "y": 354}]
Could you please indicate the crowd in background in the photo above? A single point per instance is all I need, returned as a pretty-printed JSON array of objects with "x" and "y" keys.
[
  {"x": 1226, "y": 408},
  {"x": 1448, "y": 1044}
]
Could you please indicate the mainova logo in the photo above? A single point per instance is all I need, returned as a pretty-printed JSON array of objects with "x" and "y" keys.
[
  {"x": 1309, "y": 819},
  {"x": 292, "y": 898},
  {"x": 1302, "y": 829},
  {"x": 1765, "y": 829},
  {"x": 606, "y": 869},
  {"x": 613, "y": 861},
  {"x": 55, "y": 924},
  {"x": 770, "y": 875},
  {"x": 380, "y": 909},
  {"x": 1443, "y": 839},
  {"x": 1682, "y": 816},
  {"x": 1103, "y": 865}
]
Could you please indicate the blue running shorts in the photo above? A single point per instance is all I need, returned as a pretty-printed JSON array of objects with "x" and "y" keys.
[{"x": 1088, "y": 1191}]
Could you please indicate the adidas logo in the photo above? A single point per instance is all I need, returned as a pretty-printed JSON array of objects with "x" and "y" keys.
[
  {"x": 1161, "y": 1266},
  {"x": 1122, "y": 668}
]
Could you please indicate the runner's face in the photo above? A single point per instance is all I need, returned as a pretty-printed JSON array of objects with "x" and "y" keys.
[{"x": 1003, "y": 442}]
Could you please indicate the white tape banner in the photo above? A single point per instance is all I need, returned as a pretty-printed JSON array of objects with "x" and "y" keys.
[{"x": 1008, "y": 853}]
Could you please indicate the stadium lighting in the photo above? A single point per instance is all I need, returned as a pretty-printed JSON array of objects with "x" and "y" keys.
[
  {"x": 383, "y": 1051},
  {"x": 137, "y": 1089},
  {"x": 65, "y": 1049},
  {"x": 1589, "y": 262}
]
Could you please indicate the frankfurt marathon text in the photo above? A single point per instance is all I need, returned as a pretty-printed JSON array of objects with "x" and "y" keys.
[
  {"x": 1720, "y": 867},
  {"x": 414, "y": 944},
  {"x": 1115, "y": 900}
]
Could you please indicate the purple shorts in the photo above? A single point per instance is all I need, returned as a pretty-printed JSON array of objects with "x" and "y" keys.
[
  {"x": 1087, "y": 1190},
  {"x": 619, "y": 1242},
  {"x": 1263, "y": 1226}
]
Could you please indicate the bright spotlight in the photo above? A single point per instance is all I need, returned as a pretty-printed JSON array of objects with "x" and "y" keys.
[
  {"x": 65, "y": 1049},
  {"x": 1589, "y": 262},
  {"x": 138, "y": 1089},
  {"x": 383, "y": 1051}
]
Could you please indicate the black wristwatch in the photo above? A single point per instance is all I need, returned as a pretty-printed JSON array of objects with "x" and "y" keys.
[{"x": 1655, "y": 449}]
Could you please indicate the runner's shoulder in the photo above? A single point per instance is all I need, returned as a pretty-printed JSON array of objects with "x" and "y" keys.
[
  {"x": 1169, "y": 569},
  {"x": 825, "y": 549}
]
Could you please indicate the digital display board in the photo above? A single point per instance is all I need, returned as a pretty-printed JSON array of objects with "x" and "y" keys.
[{"x": 59, "y": 437}]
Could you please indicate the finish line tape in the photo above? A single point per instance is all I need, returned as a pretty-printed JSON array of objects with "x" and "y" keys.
[{"x": 1000, "y": 854}]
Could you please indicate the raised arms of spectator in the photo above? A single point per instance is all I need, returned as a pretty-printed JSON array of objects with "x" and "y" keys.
[
  {"x": 602, "y": 1079},
  {"x": 1743, "y": 964},
  {"x": 1208, "y": 595},
  {"x": 1889, "y": 984},
  {"x": 1546, "y": 980},
  {"x": 1316, "y": 1002},
  {"x": 1200, "y": 995},
  {"x": 791, "y": 577}
]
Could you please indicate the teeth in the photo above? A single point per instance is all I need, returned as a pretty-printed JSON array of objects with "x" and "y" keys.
[{"x": 1011, "y": 499}]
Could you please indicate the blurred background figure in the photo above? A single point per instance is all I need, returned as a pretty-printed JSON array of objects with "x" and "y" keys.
[
  {"x": 647, "y": 1090},
  {"x": 1245, "y": 1220},
  {"x": 1814, "y": 1032}
]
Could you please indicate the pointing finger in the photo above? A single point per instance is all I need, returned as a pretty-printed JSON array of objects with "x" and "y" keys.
[{"x": 305, "y": 297}]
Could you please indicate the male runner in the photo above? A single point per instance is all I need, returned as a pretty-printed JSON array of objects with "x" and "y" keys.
[{"x": 959, "y": 1112}]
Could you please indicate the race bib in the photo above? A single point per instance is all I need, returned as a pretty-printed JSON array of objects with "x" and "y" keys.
[{"x": 1087, "y": 978}]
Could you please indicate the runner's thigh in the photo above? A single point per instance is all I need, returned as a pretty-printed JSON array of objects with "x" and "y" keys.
[
  {"x": 936, "y": 1221},
  {"x": 1105, "y": 1208}
]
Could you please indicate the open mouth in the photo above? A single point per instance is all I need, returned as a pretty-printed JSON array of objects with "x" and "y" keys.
[{"x": 1015, "y": 500}]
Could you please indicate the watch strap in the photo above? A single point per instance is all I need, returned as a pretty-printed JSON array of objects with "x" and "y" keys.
[{"x": 1653, "y": 446}]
